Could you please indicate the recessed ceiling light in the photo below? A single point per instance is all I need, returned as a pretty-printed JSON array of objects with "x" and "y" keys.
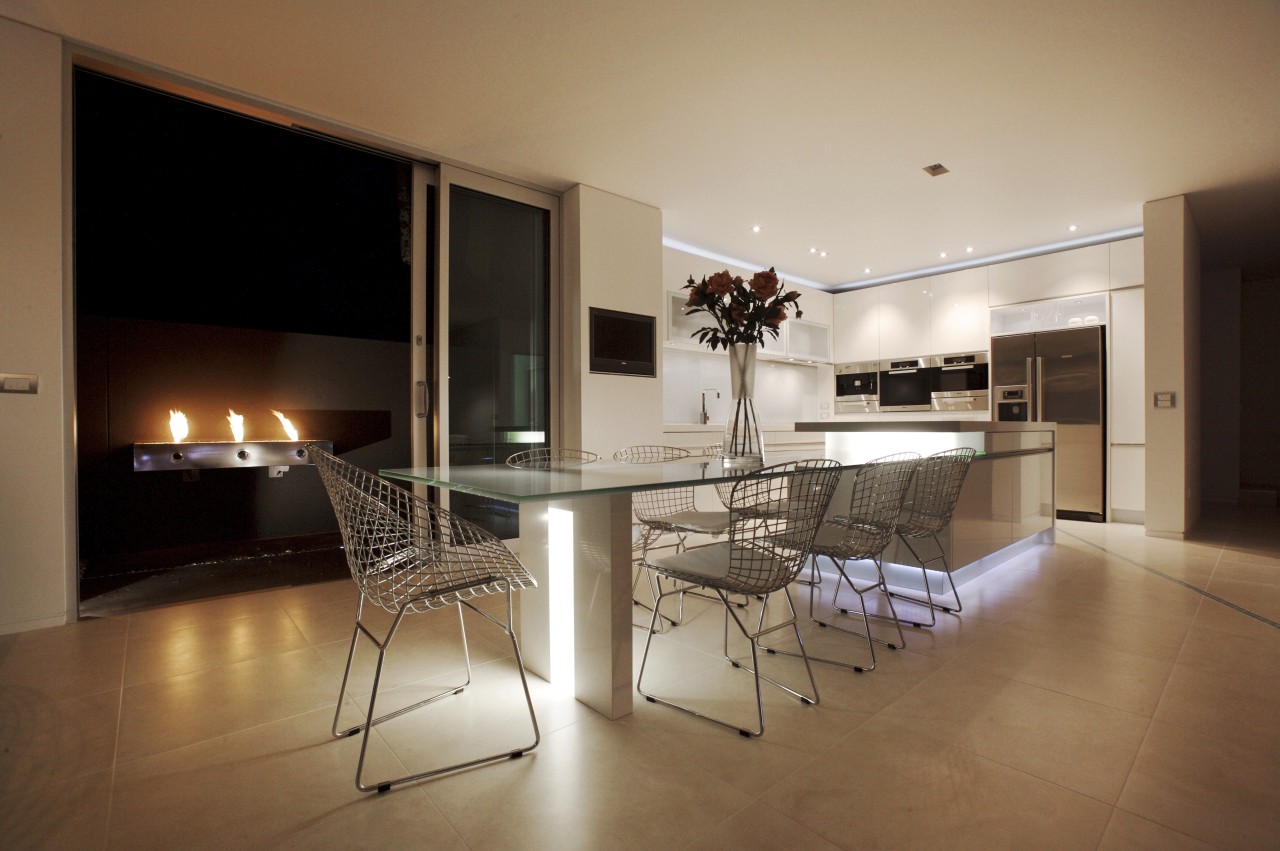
[
  {"x": 867, "y": 271},
  {"x": 942, "y": 254},
  {"x": 813, "y": 251},
  {"x": 755, "y": 229},
  {"x": 822, "y": 254},
  {"x": 1072, "y": 228},
  {"x": 936, "y": 169},
  {"x": 969, "y": 250}
]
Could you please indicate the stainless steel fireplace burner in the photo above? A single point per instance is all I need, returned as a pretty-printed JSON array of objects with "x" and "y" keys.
[{"x": 277, "y": 454}]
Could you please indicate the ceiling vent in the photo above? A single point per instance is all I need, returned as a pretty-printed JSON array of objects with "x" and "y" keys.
[{"x": 936, "y": 169}]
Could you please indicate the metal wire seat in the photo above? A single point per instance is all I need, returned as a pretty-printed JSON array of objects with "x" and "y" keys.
[
  {"x": 927, "y": 512},
  {"x": 408, "y": 555},
  {"x": 875, "y": 501},
  {"x": 550, "y": 459},
  {"x": 774, "y": 514},
  {"x": 669, "y": 510}
]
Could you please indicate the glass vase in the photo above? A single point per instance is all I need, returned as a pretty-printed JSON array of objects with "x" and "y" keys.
[{"x": 743, "y": 445}]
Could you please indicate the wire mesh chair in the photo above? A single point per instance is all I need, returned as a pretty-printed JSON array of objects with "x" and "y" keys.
[
  {"x": 669, "y": 510},
  {"x": 875, "y": 501},
  {"x": 407, "y": 555},
  {"x": 550, "y": 459},
  {"x": 774, "y": 514},
  {"x": 927, "y": 512}
]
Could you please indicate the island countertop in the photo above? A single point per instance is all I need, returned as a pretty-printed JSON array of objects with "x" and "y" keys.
[{"x": 935, "y": 426}]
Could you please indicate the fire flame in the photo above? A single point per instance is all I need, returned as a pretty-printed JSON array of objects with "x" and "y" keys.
[
  {"x": 237, "y": 426},
  {"x": 177, "y": 425},
  {"x": 288, "y": 426}
]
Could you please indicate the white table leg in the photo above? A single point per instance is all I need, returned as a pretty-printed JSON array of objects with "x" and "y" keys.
[{"x": 576, "y": 626}]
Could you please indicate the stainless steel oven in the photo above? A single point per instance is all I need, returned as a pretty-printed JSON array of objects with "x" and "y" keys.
[
  {"x": 960, "y": 382},
  {"x": 906, "y": 384},
  {"x": 856, "y": 385}
]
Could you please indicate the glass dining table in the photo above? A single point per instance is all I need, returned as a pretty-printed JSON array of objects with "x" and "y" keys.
[{"x": 575, "y": 628}]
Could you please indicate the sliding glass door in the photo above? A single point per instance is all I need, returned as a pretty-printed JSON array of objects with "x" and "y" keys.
[{"x": 498, "y": 267}]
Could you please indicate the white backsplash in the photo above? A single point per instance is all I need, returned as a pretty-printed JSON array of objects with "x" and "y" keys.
[{"x": 784, "y": 394}]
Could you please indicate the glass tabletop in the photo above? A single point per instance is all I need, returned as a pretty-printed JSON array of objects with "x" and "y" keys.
[{"x": 597, "y": 478}]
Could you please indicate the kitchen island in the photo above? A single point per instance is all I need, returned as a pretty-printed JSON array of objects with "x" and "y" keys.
[{"x": 1006, "y": 506}]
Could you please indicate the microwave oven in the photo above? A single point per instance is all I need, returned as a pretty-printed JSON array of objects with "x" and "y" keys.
[
  {"x": 906, "y": 384},
  {"x": 856, "y": 387},
  {"x": 960, "y": 382}
]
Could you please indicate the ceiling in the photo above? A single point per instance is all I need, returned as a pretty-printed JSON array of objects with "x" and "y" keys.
[{"x": 812, "y": 120}]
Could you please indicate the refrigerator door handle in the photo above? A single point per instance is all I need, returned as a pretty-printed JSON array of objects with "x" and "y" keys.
[
  {"x": 1039, "y": 393},
  {"x": 1031, "y": 389}
]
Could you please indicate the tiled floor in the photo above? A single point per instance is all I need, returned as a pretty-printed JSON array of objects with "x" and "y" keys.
[{"x": 1086, "y": 698}]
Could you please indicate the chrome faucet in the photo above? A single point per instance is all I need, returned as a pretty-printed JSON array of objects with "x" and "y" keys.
[{"x": 705, "y": 418}]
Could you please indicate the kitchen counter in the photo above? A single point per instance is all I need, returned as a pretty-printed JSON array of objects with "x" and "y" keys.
[
  {"x": 1006, "y": 505},
  {"x": 931, "y": 425}
]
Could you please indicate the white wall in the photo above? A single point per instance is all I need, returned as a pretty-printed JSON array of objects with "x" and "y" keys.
[
  {"x": 1171, "y": 254},
  {"x": 612, "y": 259},
  {"x": 36, "y": 561},
  {"x": 1220, "y": 322}
]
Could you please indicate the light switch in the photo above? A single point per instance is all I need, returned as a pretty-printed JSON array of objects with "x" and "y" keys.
[
  {"x": 1166, "y": 399},
  {"x": 18, "y": 383}
]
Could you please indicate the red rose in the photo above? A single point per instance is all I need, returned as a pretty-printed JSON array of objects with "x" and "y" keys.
[
  {"x": 764, "y": 284},
  {"x": 775, "y": 316},
  {"x": 721, "y": 283}
]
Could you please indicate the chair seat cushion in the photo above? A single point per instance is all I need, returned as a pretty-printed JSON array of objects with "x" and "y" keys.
[
  {"x": 705, "y": 522},
  {"x": 709, "y": 563}
]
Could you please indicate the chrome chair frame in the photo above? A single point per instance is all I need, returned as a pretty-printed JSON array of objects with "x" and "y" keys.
[
  {"x": 545, "y": 458},
  {"x": 774, "y": 515},
  {"x": 408, "y": 555},
  {"x": 666, "y": 511},
  {"x": 879, "y": 490},
  {"x": 931, "y": 506}
]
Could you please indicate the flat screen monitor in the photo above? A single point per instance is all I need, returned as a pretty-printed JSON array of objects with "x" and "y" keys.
[{"x": 622, "y": 343}]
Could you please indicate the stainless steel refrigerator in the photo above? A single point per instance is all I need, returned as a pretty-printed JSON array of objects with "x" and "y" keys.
[{"x": 1059, "y": 377}]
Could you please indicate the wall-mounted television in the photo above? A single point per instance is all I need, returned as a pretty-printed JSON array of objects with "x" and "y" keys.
[{"x": 622, "y": 343}]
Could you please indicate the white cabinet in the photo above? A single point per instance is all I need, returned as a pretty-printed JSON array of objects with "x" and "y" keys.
[
  {"x": 904, "y": 319},
  {"x": 1128, "y": 483},
  {"x": 680, "y": 328},
  {"x": 1126, "y": 263},
  {"x": 959, "y": 319},
  {"x": 1126, "y": 366},
  {"x": 857, "y": 325},
  {"x": 808, "y": 341},
  {"x": 1064, "y": 273}
]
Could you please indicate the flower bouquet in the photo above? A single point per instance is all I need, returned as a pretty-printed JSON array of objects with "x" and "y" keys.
[{"x": 743, "y": 311}]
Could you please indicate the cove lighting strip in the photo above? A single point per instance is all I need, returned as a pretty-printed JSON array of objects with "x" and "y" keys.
[{"x": 560, "y": 597}]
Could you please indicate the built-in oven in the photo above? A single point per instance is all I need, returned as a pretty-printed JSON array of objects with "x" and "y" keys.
[
  {"x": 906, "y": 384},
  {"x": 856, "y": 385},
  {"x": 960, "y": 382}
]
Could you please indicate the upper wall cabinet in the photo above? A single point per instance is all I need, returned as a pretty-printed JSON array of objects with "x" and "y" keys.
[
  {"x": 681, "y": 328},
  {"x": 1064, "y": 273},
  {"x": 808, "y": 341},
  {"x": 1126, "y": 263},
  {"x": 905, "y": 318},
  {"x": 959, "y": 320},
  {"x": 857, "y": 325}
]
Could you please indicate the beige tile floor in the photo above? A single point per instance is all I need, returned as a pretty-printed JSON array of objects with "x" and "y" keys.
[{"x": 1082, "y": 700}]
